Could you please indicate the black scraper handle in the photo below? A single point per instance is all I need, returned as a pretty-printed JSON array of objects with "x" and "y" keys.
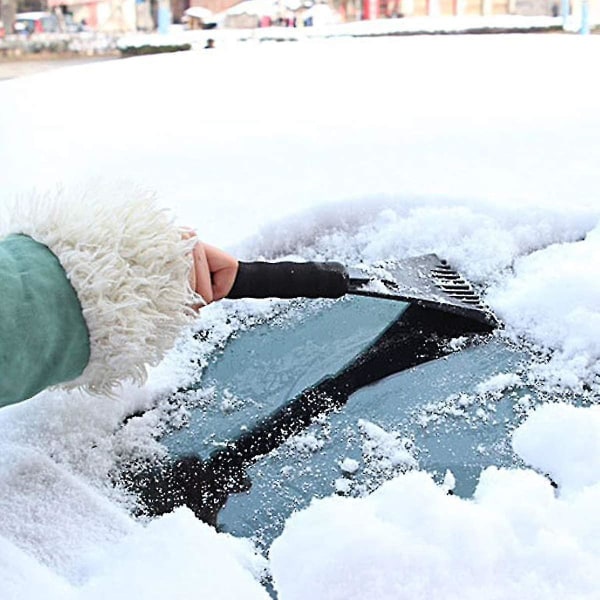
[{"x": 290, "y": 280}]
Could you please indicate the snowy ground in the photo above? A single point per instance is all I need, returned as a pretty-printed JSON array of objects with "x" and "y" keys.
[{"x": 483, "y": 149}]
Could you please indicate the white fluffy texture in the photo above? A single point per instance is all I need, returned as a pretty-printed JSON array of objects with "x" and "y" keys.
[
  {"x": 514, "y": 540},
  {"x": 179, "y": 558},
  {"x": 42, "y": 503},
  {"x": 573, "y": 461},
  {"x": 24, "y": 578},
  {"x": 167, "y": 558},
  {"x": 554, "y": 296},
  {"x": 130, "y": 268}
]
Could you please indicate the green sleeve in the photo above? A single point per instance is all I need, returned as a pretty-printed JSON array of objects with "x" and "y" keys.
[{"x": 43, "y": 335}]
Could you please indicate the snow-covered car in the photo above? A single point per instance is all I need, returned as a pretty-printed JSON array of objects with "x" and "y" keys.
[{"x": 332, "y": 155}]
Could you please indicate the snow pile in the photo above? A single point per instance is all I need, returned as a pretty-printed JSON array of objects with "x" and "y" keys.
[
  {"x": 410, "y": 539},
  {"x": 554, "y": 298},
  {"x": 175, "y": 556},
  {"x": 178, "y": 557}
]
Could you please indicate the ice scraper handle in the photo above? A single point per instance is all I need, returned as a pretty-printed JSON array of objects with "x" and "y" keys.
[{"x": 290, "y": 280}]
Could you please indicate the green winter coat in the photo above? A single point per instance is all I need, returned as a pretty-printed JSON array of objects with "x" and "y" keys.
[{"x": 43, "y": 335}]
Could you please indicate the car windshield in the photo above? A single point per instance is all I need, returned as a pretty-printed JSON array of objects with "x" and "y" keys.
[{"x": 451, "y": 414}]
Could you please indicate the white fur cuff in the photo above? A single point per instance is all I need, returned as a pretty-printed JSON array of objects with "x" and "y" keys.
[{"x": 130, "y": 268}]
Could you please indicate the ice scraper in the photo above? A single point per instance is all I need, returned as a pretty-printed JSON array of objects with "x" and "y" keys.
[{"x": 424, "y": 280}]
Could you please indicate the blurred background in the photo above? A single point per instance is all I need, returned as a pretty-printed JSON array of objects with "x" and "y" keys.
[{"x": 66, "y": 29}]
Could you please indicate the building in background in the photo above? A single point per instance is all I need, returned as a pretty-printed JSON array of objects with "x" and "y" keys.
[
  {"x": 106, "y": 15},
  {"x": 119, "y": 16},
  {"x": 375, "y": 9},
  {"x": 215, "y": 6}
]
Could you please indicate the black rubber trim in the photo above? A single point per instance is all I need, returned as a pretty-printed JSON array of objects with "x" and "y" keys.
[{"x": 290, "y": 280}]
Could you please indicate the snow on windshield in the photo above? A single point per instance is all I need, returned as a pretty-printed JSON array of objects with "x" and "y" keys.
[{"x": 482, "y": 149}]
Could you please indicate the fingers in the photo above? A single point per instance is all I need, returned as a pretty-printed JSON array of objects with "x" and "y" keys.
[
  {"x": 223, "y": 268},
  {"x": 202, "y": 272},
  {"x": 214, "y": 272}
]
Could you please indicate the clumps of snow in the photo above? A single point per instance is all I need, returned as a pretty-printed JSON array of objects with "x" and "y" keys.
[
  {"x": 558, "y": 373},
  {"x": 376, "y": 286},
  {"x": 312, "y": 439},
  {"x": 306, "y": 443},
  {"x": 524, "y": 403},
  {"x": 346, "y": 485},
  {"x": 383, "y": 450},
  {"x": 384, "y": 454},
  {"x": 343, "y": 486},
  {"x": 230, "y": 402},
  {"x": 498, "y": 384},
  {"x": 479, "y": 404},
  {"x": 453, "y": 406},
  {"x": 478, "y": 237},
  {"x": 349, "y": 465},
  {"x": 517, "y": 538},
  {"x": 458, "y": 343}
]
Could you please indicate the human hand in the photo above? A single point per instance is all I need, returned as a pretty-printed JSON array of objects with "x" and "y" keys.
[{"x": 213, "y": 273}]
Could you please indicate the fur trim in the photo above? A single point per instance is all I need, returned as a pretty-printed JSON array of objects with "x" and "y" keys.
[{"x": 130, "y": 268}]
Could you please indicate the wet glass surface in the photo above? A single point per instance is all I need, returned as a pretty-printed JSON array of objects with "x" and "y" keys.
[
  {"x": 268, "y": 365},
  {"x": 429, "y": 417},
  {"x": 434, "y": 417}
]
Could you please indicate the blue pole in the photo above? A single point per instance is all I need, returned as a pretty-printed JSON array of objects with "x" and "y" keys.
[
  {"x": 585, "y": 18},
  {"x": 164, "y": 16},
  {"x": 564, "y": 12}
]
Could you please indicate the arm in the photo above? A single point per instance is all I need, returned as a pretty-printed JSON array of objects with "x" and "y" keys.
[
  {"x": 43, "y": 336},
  {"x": 92, "y": 294}
]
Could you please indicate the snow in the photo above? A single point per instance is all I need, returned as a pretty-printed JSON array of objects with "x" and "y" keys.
[
  {"x": 482, "y": 149},
  {"x": 555, "y": 295},
  {"x": 386, "y": 450},
  {"x": 349, "y": 465},
  {"x": 573, "y": 461},
  {"x": 498, "y": 383},
  {"x": 514, "y": 540}
]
